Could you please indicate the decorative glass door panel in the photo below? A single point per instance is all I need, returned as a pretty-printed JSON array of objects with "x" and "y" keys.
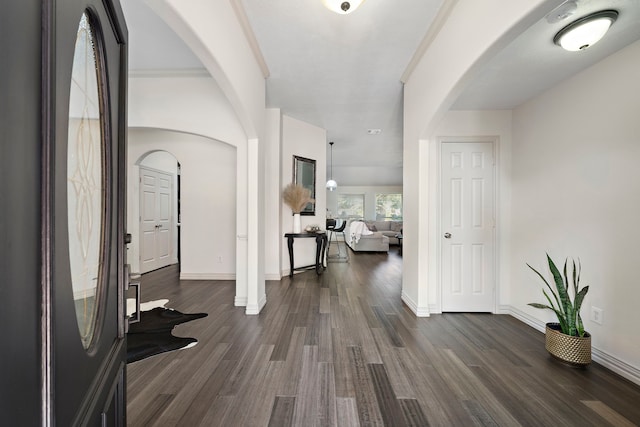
[{"x": 86, "y": 170}]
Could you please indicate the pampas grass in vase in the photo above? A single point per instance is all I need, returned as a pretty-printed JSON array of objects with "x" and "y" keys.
[{"x": 296, "y": 197}]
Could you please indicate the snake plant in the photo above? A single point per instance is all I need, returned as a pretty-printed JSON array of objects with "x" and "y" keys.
[{"x": 567, "y": 311}]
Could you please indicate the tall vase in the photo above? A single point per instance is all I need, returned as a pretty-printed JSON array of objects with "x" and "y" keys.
[{"x": 297, "y": 228}]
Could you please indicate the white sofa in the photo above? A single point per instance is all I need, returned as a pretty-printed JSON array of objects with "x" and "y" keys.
[
  {"x": 374, "y": 242},
  {"x": 388, "y": 228}
]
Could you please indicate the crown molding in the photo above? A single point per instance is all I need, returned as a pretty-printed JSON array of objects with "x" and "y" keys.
[
  {"x": 438, "y": 22},
  {"x": 251, "y": 37}
]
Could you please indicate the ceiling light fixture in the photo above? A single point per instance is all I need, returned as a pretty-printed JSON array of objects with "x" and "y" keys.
[
  {"x": 586, "y": 31},
  {"x": 342, "y": 6},
  {"x": 331, "y": 184}
]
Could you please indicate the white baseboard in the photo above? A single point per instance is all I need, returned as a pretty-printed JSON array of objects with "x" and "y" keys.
[
  {"x": 273, "y": 276},
  {"x": 418, "y": 311},
  {"x": 207, "y": 276},
  {"x": 254, "y": 309},
  {"x": 240, "y": 301},
  {"x": 434, "y": 309},
  {"x": 605, "y": 359}
]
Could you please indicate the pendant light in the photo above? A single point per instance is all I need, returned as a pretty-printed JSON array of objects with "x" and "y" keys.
[
  {"x": 331, "y": 184},
  {"x": 586, "y": 31}
]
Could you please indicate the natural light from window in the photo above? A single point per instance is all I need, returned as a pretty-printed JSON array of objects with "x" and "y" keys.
[
  {"x": 351, "y": 206},
  {"x": 388, "y": 207}
]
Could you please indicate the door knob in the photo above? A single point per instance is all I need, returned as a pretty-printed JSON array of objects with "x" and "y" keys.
[{"x": 447, "y": 235}]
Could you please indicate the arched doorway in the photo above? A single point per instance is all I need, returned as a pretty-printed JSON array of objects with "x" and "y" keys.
[{"x": 204, "y": 204}]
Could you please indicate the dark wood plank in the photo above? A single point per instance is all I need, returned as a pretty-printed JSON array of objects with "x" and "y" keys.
[
  {"x": 369, "y": 412},
  {"x": 282, "y": 412},
  {"x": 413, "y": 414},
  {"x": 387, "y": 324},
  {"x": 151, "y": 411},
  {"x": 390, "y": 409},
  {"x": 284, "y": 337}
]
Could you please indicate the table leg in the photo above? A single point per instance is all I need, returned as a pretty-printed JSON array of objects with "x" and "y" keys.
[
  {"x": 290, "y": 245},
  {"x": 325, "y": 251},
  {"x": 319, "y": 247}
]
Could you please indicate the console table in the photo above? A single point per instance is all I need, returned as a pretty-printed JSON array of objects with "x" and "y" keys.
[{"x": 321, "y": 245}]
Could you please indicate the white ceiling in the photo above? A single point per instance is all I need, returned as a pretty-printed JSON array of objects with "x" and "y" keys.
[{"x": 342, "y": 72}]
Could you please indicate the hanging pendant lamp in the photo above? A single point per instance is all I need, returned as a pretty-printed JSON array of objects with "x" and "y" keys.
[{"x": 331, "y": 184}]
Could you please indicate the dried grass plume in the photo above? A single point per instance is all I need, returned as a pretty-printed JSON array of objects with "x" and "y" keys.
[{"x": 296, "y": 197}]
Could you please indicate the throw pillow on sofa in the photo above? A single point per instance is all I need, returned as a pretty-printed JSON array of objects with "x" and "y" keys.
[{"x": 396, "y": 226}]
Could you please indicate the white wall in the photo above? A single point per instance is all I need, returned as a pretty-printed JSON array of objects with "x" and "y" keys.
[
  {"x": 302, "y": 139},
  {"x": 191, "y": 103},
  {"x": 215, "y": 33},
  {"x": 208, "y": 199},
  {"x": 576, "y": 193},
  {"x": 430, "y": 89},
  {"x": 272, "y": 189},
  {"x": 194, "y": 104},
  {"x": 467, "y": 126},
  {"x": 369, "y": 197}
]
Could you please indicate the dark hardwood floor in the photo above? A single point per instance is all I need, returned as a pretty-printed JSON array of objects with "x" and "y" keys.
[{"x": 341, "y": 349}]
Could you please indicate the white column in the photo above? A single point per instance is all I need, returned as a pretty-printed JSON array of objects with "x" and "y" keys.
[
  {"x": 256, "y": 296},
  {"x": 241, "y": 226}
]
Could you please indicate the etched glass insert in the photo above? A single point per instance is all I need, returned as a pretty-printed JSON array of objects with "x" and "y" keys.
[{"x": 85, "y": 183}]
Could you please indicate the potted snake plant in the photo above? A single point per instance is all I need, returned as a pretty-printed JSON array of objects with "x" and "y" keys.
[{"x": 565, "y": 339}]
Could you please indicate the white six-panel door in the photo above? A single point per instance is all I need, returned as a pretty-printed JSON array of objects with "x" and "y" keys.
[
  {"x": 467, "y": 225},
  {"x": 155, "y": 219}
]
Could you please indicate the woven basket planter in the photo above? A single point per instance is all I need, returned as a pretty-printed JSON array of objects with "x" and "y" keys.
[{"x": 575, "y": 351}]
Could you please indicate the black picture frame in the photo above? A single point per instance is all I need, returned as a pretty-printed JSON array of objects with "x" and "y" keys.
[{"x": 304, "y": 173}]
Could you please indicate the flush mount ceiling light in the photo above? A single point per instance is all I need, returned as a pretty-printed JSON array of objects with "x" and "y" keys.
[
  {"x": 331, "y": 184},
  {"x": 586, "y": 31},
  {"x": 342, "y": 6}
]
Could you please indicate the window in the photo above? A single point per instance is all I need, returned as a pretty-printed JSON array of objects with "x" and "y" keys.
[
  {"x": 350, "y": 206},
  {"x": 388, "y": 207}
]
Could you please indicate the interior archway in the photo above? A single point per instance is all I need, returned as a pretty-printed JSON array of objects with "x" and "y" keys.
[{"x": 207, "y": 200}]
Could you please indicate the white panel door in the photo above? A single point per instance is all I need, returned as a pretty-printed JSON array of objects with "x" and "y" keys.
[
  {"x": 163, "y": 218},
  {"x": 155, "y": 219},
  {"x": 148, "y": 227},
  {"x": 468, "y": 223}
]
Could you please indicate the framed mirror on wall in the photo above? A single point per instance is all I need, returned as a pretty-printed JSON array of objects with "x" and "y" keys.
[{"x": 304, "y": 173}]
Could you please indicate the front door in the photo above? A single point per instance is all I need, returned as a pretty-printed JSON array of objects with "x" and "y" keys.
[
  {"x": 468, "y": 221},
  {"x": 62, "y": 217},
  {"x": 155, "y": 219},
  {"x": 86, "y": 185},
  {"x": 86, "y": 179}
]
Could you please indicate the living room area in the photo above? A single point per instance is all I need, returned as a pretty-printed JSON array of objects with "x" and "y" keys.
[{"x": 372, "y": 217}]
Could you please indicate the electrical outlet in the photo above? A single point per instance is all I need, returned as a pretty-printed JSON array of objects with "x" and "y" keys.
[{"x": 597, "y": 315}]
